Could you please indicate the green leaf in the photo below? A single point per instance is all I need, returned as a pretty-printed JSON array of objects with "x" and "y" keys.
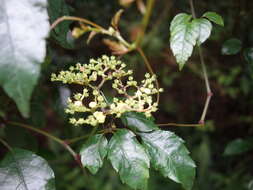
[
  {"x": 57, "y": 9},
  {"x": 129, "y": 158},
  {"x": 22, "y": 169},
  {"x": 214, "y": 17},
  {"x": 248, "y": 55},
  {"x": 138, "y": 122},
  {"x": 238, "y": 146},
  {"x": 204, "y": 27},
  {"x": 93, "y": 153},
  {"x": 22, "y": 48},
  {"x": 179, "y": 19},
  {"x": 170, "y": 157},
  {"x": 183, "y": 38},
  {"x": 231, "y": 47}
]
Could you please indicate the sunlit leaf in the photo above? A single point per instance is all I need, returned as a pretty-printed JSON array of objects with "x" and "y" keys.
[
  {"x": 138, "y": 122},
  {"x": 214, "y": 17},
  {"x": 24, "y": 27},
  {"x": 93, "y": 152},
  {"x": 204, "y": 27},
  {"x": 129, "y": 159},
  {"x": 22, "y": 169},
  {"x": 170, "y": 157},
  {"x": 183, "y": 37},
  {"x": 231, "y": 47}
]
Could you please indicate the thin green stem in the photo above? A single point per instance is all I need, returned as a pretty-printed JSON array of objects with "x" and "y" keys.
[
  {"x": 145, "y": 21},
  {"x": 98, "y": 29},
  {"x": 70, "y": 141},
  {"x": 72, "y": 18},
  {"x": 54, "y": 138},
  {"x": 203, "y": 66},
  {"x": 118, "y": 36},
  {"x": 5, "y": 144},
  {"x": 76, "y": 139},
  {"x": 180, "y": 125}
]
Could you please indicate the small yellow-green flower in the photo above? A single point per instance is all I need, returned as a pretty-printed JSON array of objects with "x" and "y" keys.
[
  {"x": 99, "y": 116},
  {"x": 93, "y": 76}
]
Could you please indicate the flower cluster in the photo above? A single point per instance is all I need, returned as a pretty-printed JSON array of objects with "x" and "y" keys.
[{"x": 130, "y": 96}]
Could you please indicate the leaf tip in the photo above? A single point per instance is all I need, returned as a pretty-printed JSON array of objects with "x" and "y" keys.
[{"x": 181, "y": 65}]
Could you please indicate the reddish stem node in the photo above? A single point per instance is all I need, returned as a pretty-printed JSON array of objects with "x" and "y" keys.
[
  {"x": 201, "y": 122},
  {"x": 210, "y": 94},
  {"x": 66, "y": 142}
]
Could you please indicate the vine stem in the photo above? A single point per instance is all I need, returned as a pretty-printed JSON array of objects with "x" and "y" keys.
[
  {"x": 76, "y": 139},
  {"x": 203, "y": 66},
  {"x": 98, "y": 29},
  {"x": 181, "y": 125},
  {"x": 73, "y": 18},
  {"x": 56, "y": 139}
]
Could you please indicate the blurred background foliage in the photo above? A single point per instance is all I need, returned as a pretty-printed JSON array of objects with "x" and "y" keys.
[{"x": 222, "y": 149}]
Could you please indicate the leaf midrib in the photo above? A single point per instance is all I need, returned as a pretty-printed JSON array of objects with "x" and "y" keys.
[{"x": 20, "y": 173}]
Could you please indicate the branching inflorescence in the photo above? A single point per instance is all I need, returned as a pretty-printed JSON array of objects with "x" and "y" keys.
[{"x": 93, "y": 101}]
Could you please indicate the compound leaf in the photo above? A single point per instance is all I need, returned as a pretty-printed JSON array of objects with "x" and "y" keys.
[
  {"x": 22, "y": 48},
  {"x": 129, "y": 159},
  {"x": 138, "y": 122},
  {"x": 169, "y": 156},
  {"x": 22, "y": 169},
  {"x": 93, "y": 152}
]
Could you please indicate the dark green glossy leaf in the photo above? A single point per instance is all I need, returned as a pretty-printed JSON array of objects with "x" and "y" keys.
[
  {"x": 129, "y": 158},
  {"x": 183, "y": 38},
  {"x": 93, "y": 153},
  {"x": 231, "y": 47},
  {"x": 138, "y": 122},
  {"x": 22, "y": 48},
  {"x": 214, "y": 17},
  {"x": 238, "y": 146},
  {"x": 248, "y": 55},
  {"x": 170, "y": 157},
  {"x": 22, "y": 169},
  {"x": 57, "y": 9},
  {"x": 204, "y": 27}
]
